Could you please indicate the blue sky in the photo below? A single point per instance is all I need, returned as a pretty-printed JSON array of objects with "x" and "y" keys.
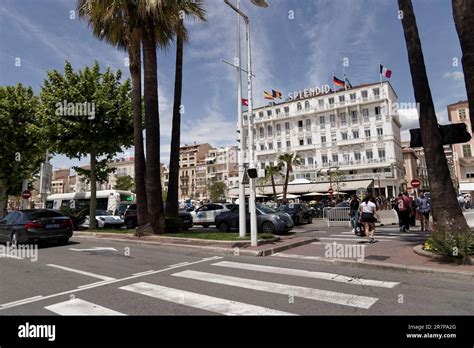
[{"x": 295, "y": 44}]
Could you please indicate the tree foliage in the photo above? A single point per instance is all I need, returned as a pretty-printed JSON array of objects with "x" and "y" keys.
[
  {"x": 125, "y": 183},
  {"x": 217, "y": 190}
]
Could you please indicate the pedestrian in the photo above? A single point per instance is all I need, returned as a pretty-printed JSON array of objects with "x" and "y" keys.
[
  {"x": 423, "y": 205},
  {"x": 404, "y": 212},
  {"x": 468, "y": 202},
  {"x": 461, "y": 201},
  {"x": 354, "y": 212},
  {"x": 368, "y": 209}
]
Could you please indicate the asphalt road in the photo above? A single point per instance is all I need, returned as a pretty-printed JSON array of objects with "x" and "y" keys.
[{"x": 113, "y": 278}]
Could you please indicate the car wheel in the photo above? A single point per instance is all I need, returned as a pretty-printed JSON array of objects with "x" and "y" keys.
[
  {"x": 224, "y": 227},
  {"x": 268, "y": 227},
  {"x": 206, "y": 225},
  {"x": 63, "y": 241},
  {"x": 14, "y": 240}
]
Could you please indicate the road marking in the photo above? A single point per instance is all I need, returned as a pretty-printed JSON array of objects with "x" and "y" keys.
[
  {"x": 90, "y": 286},
  {"x": 20, "y": 302},
  {"x": 377, "y": 235},
  {"x": 308, "y": 274},
  {"x": 282, "y": 289},
  {"x": 303, "y": 257},
  {"x": 208, "y": 303},
  {"x": 361, "y": 239},
  {"x": 80, "y": 307},
  {"x": 179, "y": 264},
  {"x": 95, "y": 249},
  {"x": 102, "y": 282},
  {"x": 81, "y": 272},
  {"x": 385, "y": 234},
  {"x": 144, "y": 273}
]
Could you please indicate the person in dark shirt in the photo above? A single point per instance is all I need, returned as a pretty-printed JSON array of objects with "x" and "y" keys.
[{"x": 354, "y": 212}]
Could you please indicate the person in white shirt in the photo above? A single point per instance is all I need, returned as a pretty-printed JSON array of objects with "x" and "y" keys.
[{"x": 367, "y": 211}]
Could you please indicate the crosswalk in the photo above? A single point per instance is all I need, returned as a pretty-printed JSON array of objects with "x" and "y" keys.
[
  {"x": 186, "y": 290},
  {"x": 381, "y": 235}
]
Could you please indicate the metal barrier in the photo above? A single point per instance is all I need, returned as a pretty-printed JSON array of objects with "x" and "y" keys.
[{"x": 337, "y": 215}]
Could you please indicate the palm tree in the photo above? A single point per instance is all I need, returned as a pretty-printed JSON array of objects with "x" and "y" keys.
[
  {"x": 446, "y": 210},
  {"x": 116, "y": 22},
  {"x": 288, "y": 160},
  {"x": 271, "y": 171},
  {"x": 194, "y": 9},
  {"x": 463, "y": 17}
]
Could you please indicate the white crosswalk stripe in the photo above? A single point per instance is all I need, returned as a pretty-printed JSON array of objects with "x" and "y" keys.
[
  {"x": 276, "y": 288},
  {"x": 308, "y": 274},
  {"x": 208, "y": 303},
  {"x": 357, "y": 239},
  {"x": 77, "y": 306}
]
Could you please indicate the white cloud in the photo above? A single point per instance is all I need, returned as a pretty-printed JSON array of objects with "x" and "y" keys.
[{"x": 455, "y": 75}]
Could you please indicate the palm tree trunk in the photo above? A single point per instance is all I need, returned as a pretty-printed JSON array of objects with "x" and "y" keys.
[
  {"x": 93, "y": 204},
  {"x": 134, "y": 55},
  {"x": 172, "y": 198},
  {"x": 3, "y": 201},
  {"x": 446, "y": 210},
  {"x": 152, "y": 124},
  {"x": 274, "y": 188},
  {"x": 463, "y": 12},
  {"x": 285, "y": 188}
]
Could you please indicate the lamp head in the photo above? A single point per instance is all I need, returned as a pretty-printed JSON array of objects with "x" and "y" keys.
[{"x": 260, "y": 3}]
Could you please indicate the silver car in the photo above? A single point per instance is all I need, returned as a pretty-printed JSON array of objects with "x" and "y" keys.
[{"x": 206, "y": 214}]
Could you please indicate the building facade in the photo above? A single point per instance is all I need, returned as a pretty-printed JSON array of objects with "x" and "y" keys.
[
  {"x": 189, "y": 157},
  {"x": 354, "y": 132}
]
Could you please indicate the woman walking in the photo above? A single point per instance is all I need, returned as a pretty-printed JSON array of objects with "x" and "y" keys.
[{"x": 368, "y": 210}]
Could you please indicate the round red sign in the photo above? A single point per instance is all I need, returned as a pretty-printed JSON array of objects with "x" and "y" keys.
[
  {"x": 415, "y": 183},
  {"x": 330, "y": 191},
  {"x": 26, "y": 194}
]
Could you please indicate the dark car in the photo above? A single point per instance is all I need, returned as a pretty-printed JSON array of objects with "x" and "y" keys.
[
  {"x": 299, "y": 212},
  {"x": 32, "y": 226},
  {"x": 130, "y": 217},
  {"x": 268, "y": 220}
]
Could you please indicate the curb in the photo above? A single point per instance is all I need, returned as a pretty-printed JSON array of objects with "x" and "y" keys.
[
  {"x": 382, "y": 266},
  {"x": 214, "y": 249},
  {"x": 419, "y": 251}
]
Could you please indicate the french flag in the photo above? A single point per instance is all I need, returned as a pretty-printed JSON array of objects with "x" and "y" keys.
[{"x": 385, "y": 72}]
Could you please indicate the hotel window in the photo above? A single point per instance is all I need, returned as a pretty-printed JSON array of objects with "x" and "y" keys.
[
  {"x": 298, "y": 106},
  {"x": 262, "y": 132},
  {"x": 462, "y": 114},
  {"x": 310, "y": 160},
  {"x": 369, "y": 154},
  {"x": 270, "y": 131},
  {"x": 342, "y": 98},
  {"x": 300, "y": 125},
  {"x": 382, "y": 154},
  {"x": 262, "y": 165},
  {"x": 287, "y": 127},
  {"x": 355, "y": 134},
  {"x": 262, "y": 147},
  {"x": 245, "y": 117},
  {"x": 323, "y": 139},
  {"x": 466, "y": 151},
  {"x": 306, "y": 105},
  {"x": 278, "y": 128},
  {"x": 270, "y": 146},
  {"x": 354, "y": 116},
  {"x": 288, "y": 143},
  {"x": 357, "y": 156},
  {"x": 333, "y": 139},
  {"x": 335, "y": 158},
  {"x": 308, "y": 124},
  {"x": 376, "y": 92},
  {"x": 353, "y": 96},
  {"x": 364, "y": 95},
  {"x": 332, "y": 119},
  {"x": 377, "y": 110},
  {"x": 269, "y": 112},
  {"x": 367, "y": 133},
  {"x": 279, "y": 145},
  {"x": 287, "y": 110},
  {"x": 324, "y": 158},
  {"x": 380, "y": 132},
  {"x": 302, "y": 161},
  {"x": 260, "y": 114},
  {"x": 277, "y": 111},
  {"x": 301, "y": 142},
  {"x": 331, "y": 101},
  {"x": 309, "y": 141},
  {"x": 365, "y": 114},
  {"x": 321, "y": 102},
  {"x": 342, "y": 115},
  {"x": 344, "y": 135},
  {"x": 322, "y": 122}
]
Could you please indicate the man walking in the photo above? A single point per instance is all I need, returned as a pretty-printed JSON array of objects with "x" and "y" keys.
[
  {"x": 404, "y": 212},
  {"x": 461, "y": 201},
  {"x": 354, "y": 212},
  {"x": 423, "y": 205}
]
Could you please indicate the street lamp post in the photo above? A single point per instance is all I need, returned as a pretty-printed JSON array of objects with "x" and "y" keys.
[{"x": 252, "y": 198}]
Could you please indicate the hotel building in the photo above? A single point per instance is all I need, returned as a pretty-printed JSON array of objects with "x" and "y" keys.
[{"x": 354, "y": 132}]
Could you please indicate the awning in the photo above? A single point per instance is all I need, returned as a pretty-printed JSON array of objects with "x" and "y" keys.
[{"x": 466, "y": 186}]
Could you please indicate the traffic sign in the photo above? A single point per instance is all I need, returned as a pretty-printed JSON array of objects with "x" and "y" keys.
[
  {"x": 415, "y": 183},
  {"x": 330, "y": 191},
  {"x": 26, "y": 194}
]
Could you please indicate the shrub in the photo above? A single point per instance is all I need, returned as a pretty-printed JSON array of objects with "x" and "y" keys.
[
  {"x": 457, "y": 245},
  {"x": 78, "y": 216},
  {"x": 173, "y": 225}
]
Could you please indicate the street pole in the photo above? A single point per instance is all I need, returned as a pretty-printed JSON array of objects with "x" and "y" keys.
[{"x": 242, "y": 210}]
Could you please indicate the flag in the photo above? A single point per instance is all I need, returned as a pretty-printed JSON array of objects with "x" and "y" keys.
[
  {"x": 267, "y": 95},
  {"x": 276, "y": 94},
  {"x": 347, "y": 83},
  {"x": 385, "y": 72},
  {"x": 245, "y": 102},
  {"x": 338, "y": 82}
]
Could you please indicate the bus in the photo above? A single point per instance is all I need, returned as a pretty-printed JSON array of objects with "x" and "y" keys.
[{"x": 110, "y": 200}]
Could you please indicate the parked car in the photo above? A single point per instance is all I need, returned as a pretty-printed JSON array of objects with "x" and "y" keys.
[
  {"x": 206, "y": 214},
  {"x": 104, "y": 219},
  {"x": 299, "y": 212},
  {"x": 268, "y": 220},
  {"x": 36, "y": 225},
  {"x": 130, "y": 217}
]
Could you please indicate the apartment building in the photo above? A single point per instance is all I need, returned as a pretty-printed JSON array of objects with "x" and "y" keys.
[{"x": 189, "y": 157}]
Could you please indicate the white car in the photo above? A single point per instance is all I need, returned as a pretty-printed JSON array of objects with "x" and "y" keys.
[
  {"x": 206, "y": 214},
  {"x": 104, "y": 219}
]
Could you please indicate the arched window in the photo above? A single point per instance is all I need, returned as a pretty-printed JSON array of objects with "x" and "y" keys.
[
  {"x": 298, "y": 107},
  {"x": 306, "y": 105},
  {"x": 270, "y": 131}
]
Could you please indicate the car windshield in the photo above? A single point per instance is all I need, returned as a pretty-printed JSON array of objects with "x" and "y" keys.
[
  {"x": 101, "y": 213},
  {"x": 265, "y": 209},
  {"x": 35, "y": 215}
]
